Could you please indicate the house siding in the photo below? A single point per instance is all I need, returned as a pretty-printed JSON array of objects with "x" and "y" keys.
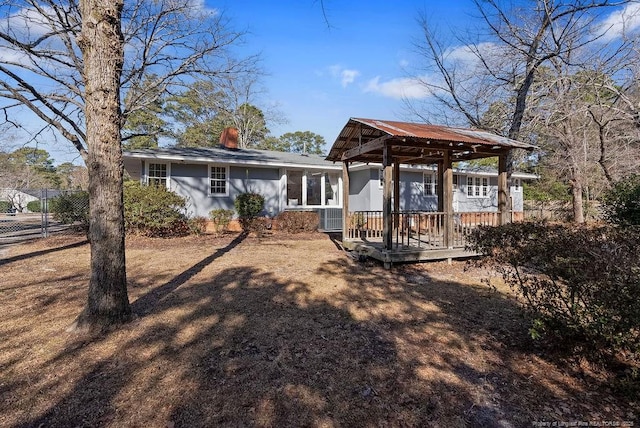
[
  {"x": 412, "y": 195},
  {"x": 265, "y": 181},
  {"x": 360, "y": 184},
  {"x": 192, "y": 182}
]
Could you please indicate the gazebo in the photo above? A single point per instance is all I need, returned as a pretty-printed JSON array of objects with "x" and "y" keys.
[{"x": 392, "y": 235}]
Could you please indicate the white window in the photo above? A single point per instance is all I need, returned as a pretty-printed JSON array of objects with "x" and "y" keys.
[
  {"x": 312, "y": 188},
  {"x": 294, "y": 188},
  {"x": 381, "y": 179},
  {"x": 158, "y": 174},
  {"x": 477, "y": 187},
  {"x": 517, "y": 184},
  {"x": 470, "y": 187},
  {"x": 331, "y": 189},
  {"x": 430, "y": 184},
  {"x": 218, "y": 180}
]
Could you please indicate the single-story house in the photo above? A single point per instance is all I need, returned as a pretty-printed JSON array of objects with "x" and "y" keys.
[
  {"x": 211, "y": 178},
  {"x": 19, "y": 198}
]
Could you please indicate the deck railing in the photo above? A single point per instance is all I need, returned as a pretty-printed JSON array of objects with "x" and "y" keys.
[{"x": 420, "y": 229}]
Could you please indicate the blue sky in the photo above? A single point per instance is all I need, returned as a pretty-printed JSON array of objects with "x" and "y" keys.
[
  {"x": 321, "y": 75},
  {"x": 356, "y": 63}
]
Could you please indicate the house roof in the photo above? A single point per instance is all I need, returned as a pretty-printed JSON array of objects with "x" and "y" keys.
[
  {"x": 268, "y": 158},
  {"x": 232, "y": 156},
  {"x": 416, "y": 142}
]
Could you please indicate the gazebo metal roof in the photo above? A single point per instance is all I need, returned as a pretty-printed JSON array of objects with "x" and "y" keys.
[{"x": 416, "y": 143}]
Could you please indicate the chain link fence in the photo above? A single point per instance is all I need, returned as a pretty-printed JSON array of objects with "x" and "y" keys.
[{"x": 29, "y": 214}]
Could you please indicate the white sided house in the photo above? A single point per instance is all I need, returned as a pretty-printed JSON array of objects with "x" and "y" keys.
[
  {"x": 474, "y": 189},
  {"x": 211, "y": 178}
]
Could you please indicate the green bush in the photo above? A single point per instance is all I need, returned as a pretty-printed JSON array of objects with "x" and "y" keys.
[
  {"x": 154, "y": 211},
  {"x": 248, "y": 206},
  {"x": 621, "y": 204},
  {"x": 34, "y": 206},
  {"x": 581, "y": 285},
  {"x": 4, "y": 206},
  {"x": 71, "y": 208},
  {"x": 221, "y": 219},
  {"x": 298, "y": 221}
]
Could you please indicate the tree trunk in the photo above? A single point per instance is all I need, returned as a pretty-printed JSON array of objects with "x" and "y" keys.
[
  {"x": 576, "y": 197},
  {"x": 102, "y": 48}
]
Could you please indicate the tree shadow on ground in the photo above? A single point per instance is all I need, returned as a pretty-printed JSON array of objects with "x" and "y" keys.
[
  {"x": 21, "y": 257},
  {"x": 147, "y": 302},
  {"x": 241, "y": 346}
]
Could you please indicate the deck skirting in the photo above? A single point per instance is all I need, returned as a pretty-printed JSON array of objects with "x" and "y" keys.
[{"x": 404, "y": 253}]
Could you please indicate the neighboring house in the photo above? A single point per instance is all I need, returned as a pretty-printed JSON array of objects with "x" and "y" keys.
[
  {"x": 211, "y": 178},
  {"x": 19, "y": 198}
]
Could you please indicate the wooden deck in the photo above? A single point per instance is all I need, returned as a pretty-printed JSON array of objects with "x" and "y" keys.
[
  {"x": 403, "y": 253},
  {"x": 417, "y": 236}
]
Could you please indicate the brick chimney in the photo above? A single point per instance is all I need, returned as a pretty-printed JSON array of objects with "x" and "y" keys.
[{"x": 229, "y": 138}]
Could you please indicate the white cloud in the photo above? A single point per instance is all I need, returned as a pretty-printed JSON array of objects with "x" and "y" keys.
[
  {"x": 346, "y": 76},
  {"x": 621, "y": 22},
  {"x": 468, "y": 54},
  {"x": 30, "y": 22},
  {"x": 201, "y": 6},
  {"x": 11, "y": 56},
  {"x": 401, "y": 87}
]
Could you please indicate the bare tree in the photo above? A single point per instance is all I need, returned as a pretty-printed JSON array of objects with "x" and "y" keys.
[
  {"x": 70, "y": 64},
  {"x": 486, "y": 80},
  {"x": 615, "y": 113},
  {"x": 500, "y": 60},
  {"x": 239, "y": 106}
]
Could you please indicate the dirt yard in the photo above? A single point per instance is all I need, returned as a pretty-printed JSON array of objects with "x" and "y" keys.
[{"x": 279, "y": 331}]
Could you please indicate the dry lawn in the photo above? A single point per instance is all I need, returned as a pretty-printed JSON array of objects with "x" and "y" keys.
[{"x": 279, "y": 331}]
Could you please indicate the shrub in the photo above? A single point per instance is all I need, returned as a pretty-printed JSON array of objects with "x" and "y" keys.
[
  {"x": 154, "y": 211},
  {"x": 582, "y": 285},
  {"x": 621, "y": 204},
  {"x": 298, "y": 221},
  {"x": 71, "y": 208},
  {"x": 221, "y": 219},
  {"x": 257, "y": 225},
  {"x": 34, "y": 206},
  {"x": 197, "y": 225},
  {"x": 248, "y": 206},
  {"x": 4, "y": 206}
]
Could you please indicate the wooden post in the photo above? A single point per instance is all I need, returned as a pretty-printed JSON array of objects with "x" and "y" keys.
[
  {"x": 440, "y": 185},
  {"x": 447, "y": 199},
  {"x": 345, "y": 200},
  {"x": 503, "y": 189},
  {"x": 396, "y": 193},
  {"x": 387, "y": 232}
]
